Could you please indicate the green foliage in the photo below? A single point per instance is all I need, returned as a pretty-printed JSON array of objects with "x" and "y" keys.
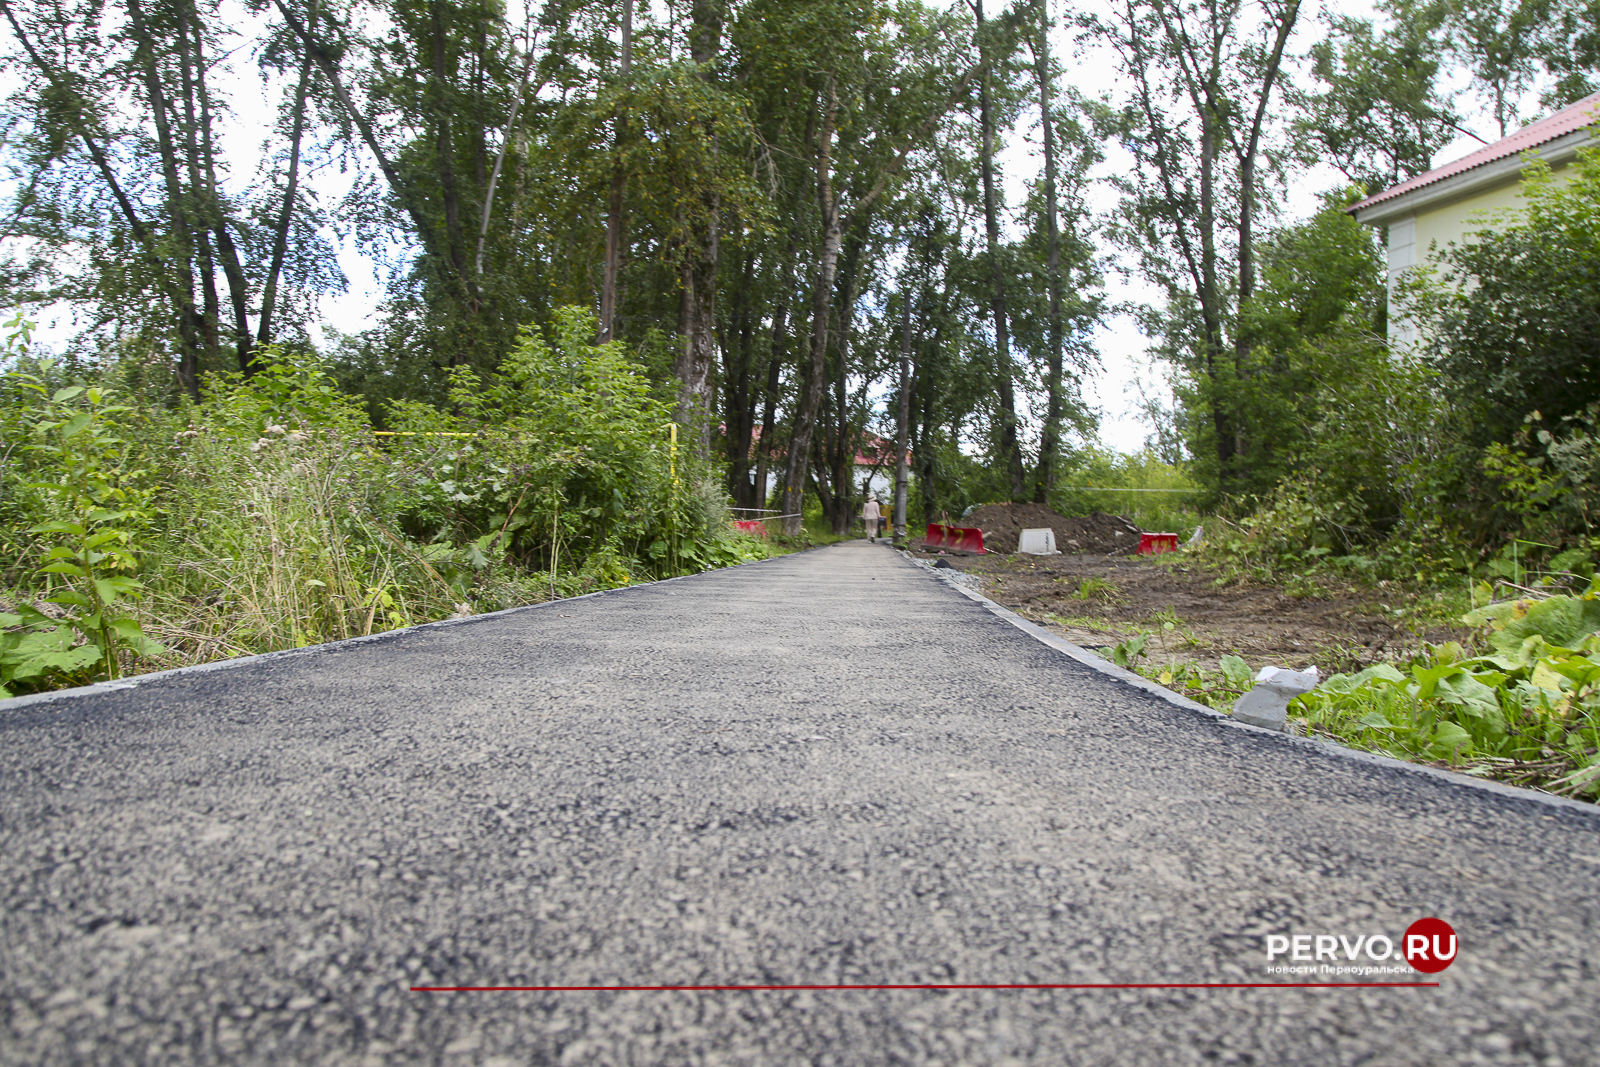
[
  {"x": 1128, "y": 651},
  {"x": 1162, "y": 495},
  {"x": 1096, "y": 588},
  {"x": 276, "y": 523},
  {"x": 1549, "y": 477},
  {"x": 1527, "y": 710},
  {"x": 1307, "y": 527},
  {"x": 1380, "y": 115},
  {"x": 268, "y": 515},
  {"x": 950, "y": 481},
  {"x": 1215, "y": 689},
  {"x": 561, "y": 452},
  {"x": 97, "y": 506},
  {"x": 1512, "y": 316},
  {"x": 1304, "y": 338}
]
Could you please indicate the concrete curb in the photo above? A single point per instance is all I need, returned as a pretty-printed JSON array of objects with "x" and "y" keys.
[
  {"x": 1315, "y": 744},
  {"x": 98, "y": 688}
]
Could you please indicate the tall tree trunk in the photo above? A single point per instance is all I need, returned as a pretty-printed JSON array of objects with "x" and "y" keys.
[
  {"x": 280, "y": 234},
  {"x": 738, "y": 415},
  {"x": 823, "y": 462},
  {"x": 461, "y": 282},
  {"x": 927, "y": 472},
  {"x": 902, "y": 435},
  {"x": 845, "y": 437},
  {"x": 1210, "y": 298},
  {"x": 769, "y": 411},
  {"x": 698, "y": 355},
  {"x": 190, "y": 324},
  {"x": 1050, "y": 444},
  {"x": 777, "y": 355},
  {"x": 1010, "y": 445},
  {"x": 217, "y": 218},
  {"x": 615, "y": 205},
  {"x": 1247, "y": 171},
  {"x": 512, "y": 131},
  {"x": 820, "y": 486},
  {"x": 814, "y": 378},
  {"x": 200, "y": 210}
]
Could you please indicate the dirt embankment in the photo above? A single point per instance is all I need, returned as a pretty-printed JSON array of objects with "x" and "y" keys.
[{"x": 1002, "y": 524}]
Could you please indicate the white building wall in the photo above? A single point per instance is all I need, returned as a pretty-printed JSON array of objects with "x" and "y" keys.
[
  {"x": 1402, "y": 257},
  {"x": 1419, "y": 235}
]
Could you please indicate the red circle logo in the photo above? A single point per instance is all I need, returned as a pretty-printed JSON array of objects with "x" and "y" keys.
[{"x": 1430, "y": 945}]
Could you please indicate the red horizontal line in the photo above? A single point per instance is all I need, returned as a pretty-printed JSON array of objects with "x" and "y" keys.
[{"x": 918, "y": 985}]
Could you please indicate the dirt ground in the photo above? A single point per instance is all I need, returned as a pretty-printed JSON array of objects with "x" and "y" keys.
[{"x": 1097, "y": 600}]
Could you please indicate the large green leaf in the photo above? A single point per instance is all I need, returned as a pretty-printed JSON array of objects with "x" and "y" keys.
[
  {"x": 1236, "y": 671},
  {"x": 1450, "y": 741},
  {"x": 67, "y": 661},
  {"x": 1559, "y": 620},
  {"x": 1465, "y": 692},
  {"x": 77, "y": 424},
  {"x": 1428, "y": 678}
]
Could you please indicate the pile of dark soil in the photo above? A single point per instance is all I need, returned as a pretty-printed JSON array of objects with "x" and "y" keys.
[{"x": 1099, "y": 533}]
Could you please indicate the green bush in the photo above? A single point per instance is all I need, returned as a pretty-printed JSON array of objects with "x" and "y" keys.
[
  {"x": 560, "y": 453},
  {"x": 1512, "y": 316}
]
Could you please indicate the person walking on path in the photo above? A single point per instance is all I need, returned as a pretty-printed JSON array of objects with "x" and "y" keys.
[{"x": 870, "y": 515}]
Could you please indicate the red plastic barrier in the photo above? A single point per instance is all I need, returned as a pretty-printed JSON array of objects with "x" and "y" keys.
[
  {"x": 968, "y": 539},
  {"x": 1153, "y": 544},
  {"x": 751, "y": 526},
  {"x": 955, "y": 538}
]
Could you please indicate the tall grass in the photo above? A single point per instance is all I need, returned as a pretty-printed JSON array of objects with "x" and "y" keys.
[{"x": 279, "y": 543}]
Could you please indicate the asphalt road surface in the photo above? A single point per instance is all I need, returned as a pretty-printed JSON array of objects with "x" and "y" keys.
[{"x": 831, "y": 768}]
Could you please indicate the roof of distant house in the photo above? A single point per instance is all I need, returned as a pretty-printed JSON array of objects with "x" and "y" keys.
[
  {"x": 1585, "y": 112},
  {"x": 875, "y": 451}
]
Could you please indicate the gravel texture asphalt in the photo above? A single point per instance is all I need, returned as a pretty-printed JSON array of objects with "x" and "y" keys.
[{"x": 829, "y": 768}]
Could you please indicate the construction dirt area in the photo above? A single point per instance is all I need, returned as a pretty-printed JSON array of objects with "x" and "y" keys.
[{"x": 1097, "y": 593}]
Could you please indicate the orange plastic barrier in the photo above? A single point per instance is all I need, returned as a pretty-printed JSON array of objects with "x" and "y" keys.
[
  {"x": 1153, "y": 544},
  {"x": 751, "y": 526}
]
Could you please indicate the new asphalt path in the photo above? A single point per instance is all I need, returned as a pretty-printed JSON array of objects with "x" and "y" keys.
[{"x": 833, "y": 768}]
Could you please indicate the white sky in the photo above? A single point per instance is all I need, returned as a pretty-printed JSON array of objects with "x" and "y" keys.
[{"x": 1126, "y": 367}]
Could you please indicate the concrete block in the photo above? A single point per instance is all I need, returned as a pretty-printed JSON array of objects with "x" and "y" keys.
[
  {"x": 1267, "y": 704},
  {"x": 1038, "y": 542}
]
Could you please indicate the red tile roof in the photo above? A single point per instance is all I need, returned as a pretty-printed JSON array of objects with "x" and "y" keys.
[{"x": 1585, "y": 112}]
